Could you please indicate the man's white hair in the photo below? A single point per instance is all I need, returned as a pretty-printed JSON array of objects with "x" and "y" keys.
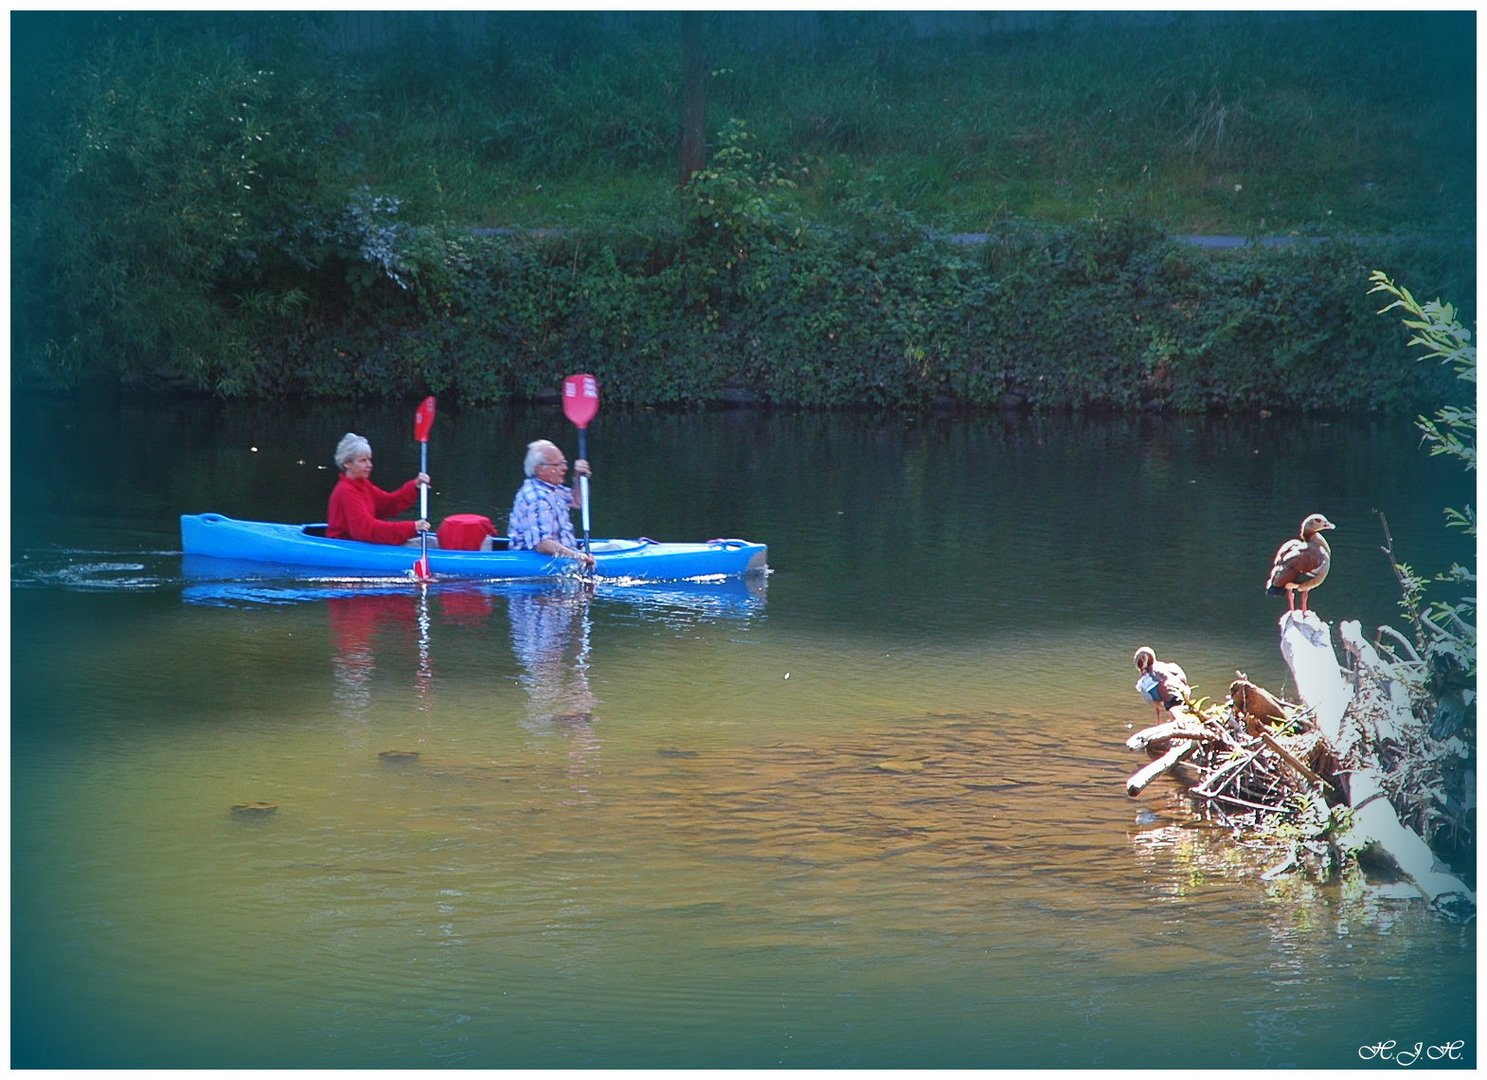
[{"x": 537, "y": 455}]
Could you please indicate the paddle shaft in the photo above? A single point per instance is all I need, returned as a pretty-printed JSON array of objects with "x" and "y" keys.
[
  {"x": 423, "y": 512},
  {"x": 583, "y": 486},
  {"x": 423, "y": 423},
  {"x": 423, "y": 489}
]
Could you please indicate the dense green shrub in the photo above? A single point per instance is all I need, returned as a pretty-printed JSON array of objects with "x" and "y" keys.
[
  {"x": 1103, "y": 315},
  {"x": 185, "y": 216},
  {"x": 158, "y": 183}
]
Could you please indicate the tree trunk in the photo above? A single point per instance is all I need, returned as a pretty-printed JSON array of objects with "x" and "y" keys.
[{"x": 692, "y": 143}]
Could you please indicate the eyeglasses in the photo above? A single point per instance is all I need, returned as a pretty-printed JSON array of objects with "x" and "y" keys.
[{"x": 553, "y": 465}]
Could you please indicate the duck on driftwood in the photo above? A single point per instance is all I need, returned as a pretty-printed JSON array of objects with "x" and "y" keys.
[
  {"x": 1301, "y": 563},
  {"x": 1162, "y": 682},
  {"x": 1255, "y": 705}
]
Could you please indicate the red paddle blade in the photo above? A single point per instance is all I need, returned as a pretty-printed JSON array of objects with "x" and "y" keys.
[
  {"x": 423, "y": 419},
  {"x": 421, "y": 570},
  {"x": 580, "y": 398}
]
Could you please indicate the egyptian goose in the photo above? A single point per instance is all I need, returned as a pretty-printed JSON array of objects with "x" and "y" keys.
[
  {"x": 1255, "y": 705},
  {"x": 1302, "y": 563},
  {"x": 1161, "y": 682}
]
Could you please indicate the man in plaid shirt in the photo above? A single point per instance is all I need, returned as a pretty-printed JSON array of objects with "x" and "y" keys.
[{"x": 541, "y": 515}]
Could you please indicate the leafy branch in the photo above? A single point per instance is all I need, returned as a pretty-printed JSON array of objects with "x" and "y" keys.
[
  {"x": 1445, "y": 629},
  {"x": 1453, "y": 431}
]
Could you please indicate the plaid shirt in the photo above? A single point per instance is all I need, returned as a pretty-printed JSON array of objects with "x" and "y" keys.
[{"x": 541, "y": 510}]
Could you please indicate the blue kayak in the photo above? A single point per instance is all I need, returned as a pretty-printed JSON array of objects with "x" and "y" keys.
[{"x": 301, "y": 547}]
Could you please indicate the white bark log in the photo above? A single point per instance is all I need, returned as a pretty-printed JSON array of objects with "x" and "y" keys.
[
  {"x": 1306, "y": 644},
  {"x": 1137, "y": 783},
  {"x": 1159, "y": 733},
  {"x": 1182, "y": 722},
  {"x": 1377, "y": 829}
]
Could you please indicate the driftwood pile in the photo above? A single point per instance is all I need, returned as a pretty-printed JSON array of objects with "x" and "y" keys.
[
  {"x": 1268, "y": 777},
  {"x": 1331, "y": 779}
]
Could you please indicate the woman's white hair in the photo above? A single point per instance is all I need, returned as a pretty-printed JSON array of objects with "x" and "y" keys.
[
  {"x": 350, "y": 446},
  {"x": 537, "y": 455}
]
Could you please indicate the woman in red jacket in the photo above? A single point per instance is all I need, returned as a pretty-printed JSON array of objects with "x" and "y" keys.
[{"x": 357, "y": 505}]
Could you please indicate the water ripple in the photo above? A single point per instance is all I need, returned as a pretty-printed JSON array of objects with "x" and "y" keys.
[{"x": 94, "y": 571}]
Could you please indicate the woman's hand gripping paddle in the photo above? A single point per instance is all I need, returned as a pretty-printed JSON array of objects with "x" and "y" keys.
[
  {"x": 423, "y": 420},
  {"x": 580, "y": 403}
]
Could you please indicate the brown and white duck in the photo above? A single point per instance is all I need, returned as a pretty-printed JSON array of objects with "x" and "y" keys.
[
  {"x": 1162, "y": 682},
  {"x": 1255, "y": 705},
  {"x": 1301, "y": 563}
]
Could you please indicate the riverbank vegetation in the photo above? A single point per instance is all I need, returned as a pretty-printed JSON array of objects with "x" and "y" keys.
[
  {"x": 244, "y": 205},
  {"x": 1436, "y": 661}
]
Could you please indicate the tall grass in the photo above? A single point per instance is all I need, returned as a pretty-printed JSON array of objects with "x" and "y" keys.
[{"x": 1351, "y": 121}]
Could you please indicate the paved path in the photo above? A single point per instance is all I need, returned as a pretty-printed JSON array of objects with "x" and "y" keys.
[{"x": 970, "y": 239}]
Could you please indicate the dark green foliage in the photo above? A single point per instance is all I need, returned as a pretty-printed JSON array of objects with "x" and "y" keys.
[
  {"x": 1109, "y": 315},
  {"x": 205, "y": 202},
  {"x": 158, "y": 181}
]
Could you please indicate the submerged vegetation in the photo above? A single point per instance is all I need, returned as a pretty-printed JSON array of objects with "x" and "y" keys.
[{"x": 256, "y": 204}]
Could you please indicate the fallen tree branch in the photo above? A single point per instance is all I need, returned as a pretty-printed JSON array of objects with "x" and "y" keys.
[
  {"x": 1377, "y": 829},
  {"x": 1224, "y": 771},
  {"x": 1306, "y": 645},
  {"x": 1409, "y": 646},
  {"x": 1293, "y": 761},
  {"x": 1244, "y": 803},
  {"x": 1138, "y": 782},
  {"x": 1158, "y": 733}
]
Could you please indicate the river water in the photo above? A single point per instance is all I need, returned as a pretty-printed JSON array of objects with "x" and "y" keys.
[{"x": 866, "y": 812}]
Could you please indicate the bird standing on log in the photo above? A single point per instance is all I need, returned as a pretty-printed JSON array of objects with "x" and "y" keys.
[
  {"x": 1255, "y": 705},
  {"x": 1301, "y": 563},
  {"x": 1161, "y": 682}
]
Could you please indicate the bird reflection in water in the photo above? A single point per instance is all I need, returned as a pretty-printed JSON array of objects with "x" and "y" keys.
[{"x": 550, "y": 637}]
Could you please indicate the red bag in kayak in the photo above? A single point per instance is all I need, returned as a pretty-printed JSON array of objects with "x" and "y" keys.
[{"x": 465, "y": 532}]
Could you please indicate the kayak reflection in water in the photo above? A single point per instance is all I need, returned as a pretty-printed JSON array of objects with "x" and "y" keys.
[
  {"x": 356, "y": 623},
  {"x": 357, "y": 506},
  {"x": 550, "y": 636},
  {"x": 397, "y": 623}
]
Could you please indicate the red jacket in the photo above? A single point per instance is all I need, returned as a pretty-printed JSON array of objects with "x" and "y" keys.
[{"x": 356, "y": 507}]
